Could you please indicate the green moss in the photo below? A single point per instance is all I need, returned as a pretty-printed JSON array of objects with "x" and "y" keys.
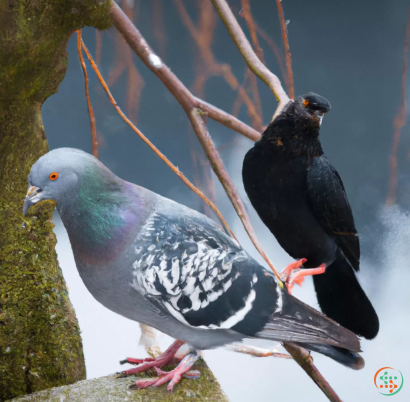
[
  {"x": 40, "y": 343},
  {"x": 205, "y": 388}
]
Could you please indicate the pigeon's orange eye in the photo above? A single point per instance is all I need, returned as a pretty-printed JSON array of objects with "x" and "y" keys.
[
  {"x": 305, "y": 102},
  {"x": 53, "y": 176}
]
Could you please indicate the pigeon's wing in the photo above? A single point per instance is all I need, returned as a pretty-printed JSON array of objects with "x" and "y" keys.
[
  {"x": 185, "y": 264},
  {"x": 329, "y": 204}
]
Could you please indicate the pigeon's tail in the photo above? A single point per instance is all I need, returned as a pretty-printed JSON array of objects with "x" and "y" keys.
[
  {"x": 295, "y": 321},
  {"x": 343, "y": 356},
  {"x": 341, "y": 298}
]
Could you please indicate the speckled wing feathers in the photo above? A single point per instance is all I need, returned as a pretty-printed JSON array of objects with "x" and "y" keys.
[{"x": 189, "y": 268}]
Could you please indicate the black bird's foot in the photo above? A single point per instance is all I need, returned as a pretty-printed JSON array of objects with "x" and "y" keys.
[
  {"x": 173, "y": 376},
  {"x": 144, "y": 364},
  {"x": 294, "y": 274}
]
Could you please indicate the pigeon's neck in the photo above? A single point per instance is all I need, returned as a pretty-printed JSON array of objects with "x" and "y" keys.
[
  {"x": 101, "y": 216},
  {"x": 293, "y": 134}
]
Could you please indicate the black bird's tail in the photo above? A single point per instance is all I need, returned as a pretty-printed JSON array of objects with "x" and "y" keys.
[{"x": 341, "y": 298}]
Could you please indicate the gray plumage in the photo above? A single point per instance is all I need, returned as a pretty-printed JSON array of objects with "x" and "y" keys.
[{"x": 162, "y": 264}]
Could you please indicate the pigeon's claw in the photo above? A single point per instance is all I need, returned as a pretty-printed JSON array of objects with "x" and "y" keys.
[
  {"x": 144, "y": 364},
  {"x": 173, "y": 376},
  {"x": 299, "y": 276}
]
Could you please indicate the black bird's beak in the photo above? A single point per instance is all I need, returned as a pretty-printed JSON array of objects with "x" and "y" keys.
[
  {"x": 319, "y": 115},
  {"x": 32, "y": 197}
]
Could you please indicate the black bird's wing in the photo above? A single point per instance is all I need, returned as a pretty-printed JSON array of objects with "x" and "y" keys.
[{"x": 329, "y": 204}]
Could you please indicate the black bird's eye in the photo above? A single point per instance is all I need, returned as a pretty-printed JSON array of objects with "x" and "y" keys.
[{"x": 305, "y": 102}]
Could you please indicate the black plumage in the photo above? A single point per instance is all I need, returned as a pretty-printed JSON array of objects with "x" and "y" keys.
[{"x": 300, "y": 197}]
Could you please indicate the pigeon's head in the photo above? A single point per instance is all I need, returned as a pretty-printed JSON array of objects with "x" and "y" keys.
[
  {"x": 312, "y": 106},
  {"x": 56, "y": 176}
]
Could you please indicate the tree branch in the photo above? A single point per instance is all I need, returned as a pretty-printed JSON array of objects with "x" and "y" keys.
[
  {"x": 226, "y": 119},
  {"x": 303, "y": 358},
  {"x": 174, "y": 85},
  {"x": 188, "y": 103},
  {"x": 94, "y": 143},
  {"x": 151, "y": 145},
  {"x": 252, "y": 60},
  {"x": 287, "y": 49}
]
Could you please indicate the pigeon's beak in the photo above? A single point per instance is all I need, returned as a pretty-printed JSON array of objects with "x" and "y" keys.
[{"x": 32, "y": 197}]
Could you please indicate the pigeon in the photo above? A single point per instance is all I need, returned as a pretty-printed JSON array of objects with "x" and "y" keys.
[
  {"x": 300, "y": 197},
  {"x": 167, "y": 266}
]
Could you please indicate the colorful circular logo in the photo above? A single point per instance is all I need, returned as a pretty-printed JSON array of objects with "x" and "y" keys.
[{"x": 388, "y": 381}]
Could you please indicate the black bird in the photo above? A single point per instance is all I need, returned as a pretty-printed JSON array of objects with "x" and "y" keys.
[{"x": 300, "y": 197}]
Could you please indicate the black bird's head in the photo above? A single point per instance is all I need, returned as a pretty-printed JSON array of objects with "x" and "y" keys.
[{"x": 312, "y": 106}]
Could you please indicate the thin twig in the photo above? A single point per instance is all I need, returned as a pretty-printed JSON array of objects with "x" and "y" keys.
[
  {"x": 247, "y": 14},
  {"x": 94, "y": 143},
  {"x": 303, "y": 358},
  {"x": 287, "y": 49},
  {"x": 252, "y": 60},
  {"x": 226, "y": 119},
  {"x": 271, "y": 43},
  {"x": 246, "y": 7},
  {"x": 151, "y": 145},
  {"x": 188, "y": 103},
  {"x": 399, "y": 122},
  {"x": 203, "y": 35},
  {"x": 159, "y": 31}
]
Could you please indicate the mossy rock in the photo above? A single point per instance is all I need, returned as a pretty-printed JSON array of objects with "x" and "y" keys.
[{"x": 113, "y": 389}]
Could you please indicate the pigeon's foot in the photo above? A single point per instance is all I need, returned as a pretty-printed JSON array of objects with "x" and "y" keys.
[
  {"x": 294, "y": 274},
  {"x": 173, "y": 376},
  {"x": 144, "y": 364},
  {"x": 255, "y": 351}
]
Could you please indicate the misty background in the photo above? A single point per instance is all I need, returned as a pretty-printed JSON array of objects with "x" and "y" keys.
[{"x": 350, "y": 52}]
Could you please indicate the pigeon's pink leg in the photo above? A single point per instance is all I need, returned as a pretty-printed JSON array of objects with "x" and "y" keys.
[
  {"x": 299, "y": 275},
  {"x": 173, "y": 376},
  {"x": 149, "y": 362}
]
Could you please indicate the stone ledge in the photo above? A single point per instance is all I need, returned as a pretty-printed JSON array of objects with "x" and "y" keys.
[{"x": 110, "y": 388}]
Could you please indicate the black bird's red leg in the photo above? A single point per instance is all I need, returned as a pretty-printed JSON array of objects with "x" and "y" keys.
[
  {"x": 144, "y": 364},
  {"x": 294, "y": 274}
]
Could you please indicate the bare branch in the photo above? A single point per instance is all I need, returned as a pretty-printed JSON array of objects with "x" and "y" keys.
[
  {"x": 303, "y": 358},
  {"x": 399, "y": 122},
  {"x": 252, "y": 60},
  {"x": 247, "y": 14},
  {"x": 151, "y": 145},
  {"x": 271, "y": 43},
  {"x": 94, "y": 143},
  {"x": 203, "y": 35},
  {"x": 226, "y": 119},
  {"x": 287, "y": 49},
  {"x": 187, "y": 101}
]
